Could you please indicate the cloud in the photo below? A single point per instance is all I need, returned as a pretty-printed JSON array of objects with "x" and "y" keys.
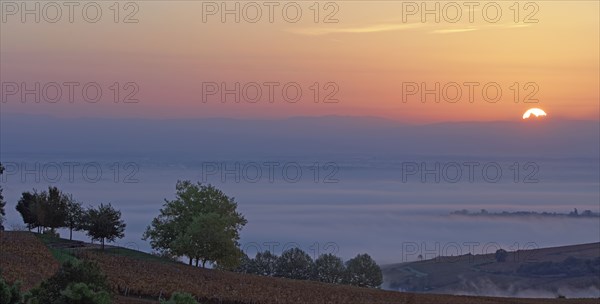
[
  {"x": 387, "y": 27},
  {"x": 450, "y": 31},
  {"x": 471, "y": 29},
  {"x": 356, "y": 30}
]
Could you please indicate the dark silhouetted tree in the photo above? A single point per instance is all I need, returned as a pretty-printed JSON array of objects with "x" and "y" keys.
[
  {"x": 104, "y": 224},
  {"x": 56, "y": 208},
  {"x": 2, "y": 202},
  {"x": 363, "y": 271},
  {"x": 329, "y": 269},
  {"x": 264, "y": 263},
  {"x": 46, "y": 209},
  {"x": 75, "y": 217},
  {"x": 295, "y": 264}
]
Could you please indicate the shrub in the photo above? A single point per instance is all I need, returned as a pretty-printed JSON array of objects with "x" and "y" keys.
[
  {"x": 81, "y": 293},
  {"x": 10, "y": 294},
  {"x": 75, "y": 282},
  {"x": 180, "y": 298},
  {"x": 501, "y": 255}
]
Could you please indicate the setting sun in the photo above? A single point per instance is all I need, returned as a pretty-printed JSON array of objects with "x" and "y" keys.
[{"x": 535, "y": 111}]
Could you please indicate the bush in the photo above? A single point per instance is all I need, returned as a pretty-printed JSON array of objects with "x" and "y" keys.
[
  {"x": 51, "y": 232},
  {"x": 10, "y": 294},
  {"x": 81, "y": 293},
  {"x": 501, "y": 255},
  {"x": 180, "y": 298},
  {"x": 75, "y": 282}
]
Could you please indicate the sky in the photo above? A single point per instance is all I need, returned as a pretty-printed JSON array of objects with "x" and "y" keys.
[
  {"x": 160, "y": 61},
  {"x": 360, "y": 59}
]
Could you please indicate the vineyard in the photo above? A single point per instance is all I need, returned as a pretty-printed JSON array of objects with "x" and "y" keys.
[
  {"x": 138, "y": 278},
  {"x": 135, "y": 277},
  {"x": 23, "y": 257}
]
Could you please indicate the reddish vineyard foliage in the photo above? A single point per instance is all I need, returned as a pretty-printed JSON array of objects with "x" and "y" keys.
[
  {"x": 25, "y": 258},
  {"x": 153, "y": 278}
]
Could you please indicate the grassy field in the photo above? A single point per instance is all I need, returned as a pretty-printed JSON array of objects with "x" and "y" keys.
[{"x": 143, "y": 278}]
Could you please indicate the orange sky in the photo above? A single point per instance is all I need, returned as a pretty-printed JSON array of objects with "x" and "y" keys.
[{"x": 368, "y": 57}]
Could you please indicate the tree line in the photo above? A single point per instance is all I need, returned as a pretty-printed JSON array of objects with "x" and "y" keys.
[
  {"x": 296, "y": 264},
  {"x": 49, "y": 210},
  {"x": 201, "y": 224}
]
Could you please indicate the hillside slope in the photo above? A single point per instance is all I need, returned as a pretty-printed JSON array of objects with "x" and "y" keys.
[
  {"x": 544, "y": 272},
  {"x": 143, "y": 278}
]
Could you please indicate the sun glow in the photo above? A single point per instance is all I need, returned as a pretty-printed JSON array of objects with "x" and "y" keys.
[{"x": 535, "y": 111}]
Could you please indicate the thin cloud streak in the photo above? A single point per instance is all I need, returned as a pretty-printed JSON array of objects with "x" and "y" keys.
[
  {"x": 450, "y": 31},
  {"x": 356, "y": 30},
  {"x": 387, "y": 27}
]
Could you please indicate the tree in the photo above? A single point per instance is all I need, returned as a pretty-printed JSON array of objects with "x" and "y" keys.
[
  {"x": 75, "y": 217},
  {"x": 362, "y": 271},
  {"x": 239, "y": 263},
  {"x": 501, "y": 255},
  {"x": 329, "y": 269},
  {"x": 47, "y": 209},
  {"x": 29, "y": 206},
  {"x": 264, "y": 263},
  {"x": 2, "y": 202},
  {"x": 295, "y": 264},
  {"x": 56, "y": 208},
  {"x": 104, "y": 224},
  {"x": 178, "y": 228},
  {"x": 246, "y": 264},
  {"x": 206, "y": 239}
]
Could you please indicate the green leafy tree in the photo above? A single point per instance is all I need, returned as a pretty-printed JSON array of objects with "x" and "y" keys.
[
  {"x": 178, "y": 228},
  {"x": 501, "y": 255},
  {"x": 104, "y": 224},
  {"x": 265, "y": 264},
  {"x": 180, "y": 298},
  {"x": 75, "y": 282},
  {"x": 363, "y": 271},
  {"x": 239, "y": 263},
  {"x": 10, "y": 294},
  {"x": 207, "y": 239},
  {"x": 295, "y": 264},
  {"x": 329, "y": 269}
]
